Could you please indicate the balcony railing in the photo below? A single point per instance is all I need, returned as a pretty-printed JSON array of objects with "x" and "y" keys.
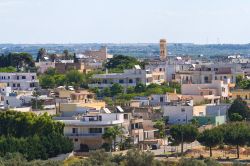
[{"x": 83, "y": 134}]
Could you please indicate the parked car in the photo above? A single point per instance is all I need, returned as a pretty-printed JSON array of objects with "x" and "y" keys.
[{"x": 154, "y": 147}]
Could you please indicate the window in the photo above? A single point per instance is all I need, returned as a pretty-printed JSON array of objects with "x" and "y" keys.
[
  {"x": 183, "y": 110},
  {"x": 121, "y": 81},
  {"x": 14, "y": 85},
  {"x": 74, "y": 130},
  {"x": 130, "y": 81},
  {"x": 24, "y": 77},
  {"x": 95, "y": 130},
  {"x": 7, "y": 102},
  {"x": 125, "y": 116},
  {"x": 32, "y": 85},
  {"x": 76, "y": 140},
  {"x": 132, "y": 126},
  {"x": 206, "y": 79},
  {"x": 173, "y": 76},
  {"x": 223, "y": 89},
  {"x": 99, "y": 118},
  {"x": 161, "y": 99},
  {"x": 136, "y": 125},
  {"x": 17, "y": 77},
  {"x": 215, "y": 77},
  {"x": 18, "y": 85},
  {"x": 33, "y": 77},
  {"x": 210, "y": 92}
]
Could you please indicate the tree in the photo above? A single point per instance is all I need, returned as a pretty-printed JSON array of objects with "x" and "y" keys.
[
  {"x": 183, "y": 134},
  {"x": 115, "y": 89},
  {"x": 236, "y": 117},
  {"x": 122, "y": 62},
  {"x": 36, "y": 137},
  {"x": 106, "y": 92},
  {"x": 236, "y": 134},
  {"x": 130, "y": 90},
  {"x": 47, "y": 81},
  {"x": 211, "y": 138},
  {"x": 239, "y": 106},
  {"x": 66, "y": 54},
  {"x": 140, "y": 87},
  {"x": 74, "y": 78},
  {"x": 41, "y": 53},
  {"x": 51, "y": 71},
  {"x": 21, "y": 60},
  {"x": 111, "y": 134},
  {"x": 160, "y": 125}
]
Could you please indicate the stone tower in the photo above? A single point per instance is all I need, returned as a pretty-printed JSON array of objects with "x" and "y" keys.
[{"x": 163, "y": 49}]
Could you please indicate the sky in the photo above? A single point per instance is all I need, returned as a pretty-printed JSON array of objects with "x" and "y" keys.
[{"x": 124, "y": 21}]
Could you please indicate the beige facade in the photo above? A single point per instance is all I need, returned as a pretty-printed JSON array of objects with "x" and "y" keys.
[
  {"x": 202, "y": 74},
  {"x": 99, "y": 55},
  {"x": 216, "y": 88},
  {"x": 62, "y": 68},
  {"x": 163, "y": 49},
  {"x": 242, "y": 93},
  {"x": 73, "y": 106}
]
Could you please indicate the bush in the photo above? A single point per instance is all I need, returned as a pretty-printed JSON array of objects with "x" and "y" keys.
[
  {"x": 36, "y": 137},
  {"x": 106, "y": 147}
]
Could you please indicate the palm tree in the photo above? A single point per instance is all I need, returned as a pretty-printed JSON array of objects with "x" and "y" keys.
[{"x": 111, "y": 134}]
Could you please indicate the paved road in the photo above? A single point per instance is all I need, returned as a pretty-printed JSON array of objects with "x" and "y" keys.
[{"x": 175, "y": 148}]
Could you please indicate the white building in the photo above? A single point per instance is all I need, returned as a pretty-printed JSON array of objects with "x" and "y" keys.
[
  {"x": 216, "y": 88},
  {"x": 158, "y": 72},
  {"x": 87, "y": 129},
  {"x": 20, "y": 81},
  {"x": 178, "y": 114},
  {"x": 206, "y": 73},
  {"x": 17, "y": 99},
  {"x": 128, "y": 78}
]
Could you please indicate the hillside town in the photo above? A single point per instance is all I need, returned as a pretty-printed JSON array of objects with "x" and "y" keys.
[{"x": 172, "y": 106}]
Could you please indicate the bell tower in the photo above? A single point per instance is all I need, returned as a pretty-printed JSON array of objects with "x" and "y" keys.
[{"x": 163, "y": 49}]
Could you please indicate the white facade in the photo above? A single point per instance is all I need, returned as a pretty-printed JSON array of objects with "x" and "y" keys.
[
  {"x": 159, "y": 99},
  {"x": 20, "y": 81},
  {"x": 158, "y": 72},
  {"x": 178, "y": 114},
  {"x": 129, "y": 78},
  {"x": 14, "y": 100},
  {"x": 88, "y": 129}
]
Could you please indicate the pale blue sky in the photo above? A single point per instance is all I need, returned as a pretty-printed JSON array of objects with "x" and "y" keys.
[{"x": 124, "y": 21}]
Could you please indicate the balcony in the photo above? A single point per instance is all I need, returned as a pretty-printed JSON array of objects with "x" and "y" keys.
[
  {"x": 79, "y": 135},
  {"x": 90, "y": 123}
]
